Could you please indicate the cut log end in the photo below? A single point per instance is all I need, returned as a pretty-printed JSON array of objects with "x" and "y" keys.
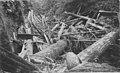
[{"x": 72, "y": 60}]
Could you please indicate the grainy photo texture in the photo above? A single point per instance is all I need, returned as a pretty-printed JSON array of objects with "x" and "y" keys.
[{"x": 59, "y": 36}]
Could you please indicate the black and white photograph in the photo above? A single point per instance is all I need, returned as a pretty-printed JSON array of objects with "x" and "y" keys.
[{"x": 59, "y": 36}]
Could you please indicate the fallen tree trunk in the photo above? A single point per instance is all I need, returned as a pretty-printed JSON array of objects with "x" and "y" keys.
[
  {"x": 96, "y": 49},
  {"x": 94, "y": 67},
  {"x": 9, "y": 60},
  {"x": 52, "y": 51}
]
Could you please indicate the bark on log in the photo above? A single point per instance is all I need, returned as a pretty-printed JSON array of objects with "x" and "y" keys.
[
  {"x": 94, "y": 67},
  {"x": 52, "y": 51},
  {"x": 96, "y": 49},
  {"x": 9, "y": 60}
]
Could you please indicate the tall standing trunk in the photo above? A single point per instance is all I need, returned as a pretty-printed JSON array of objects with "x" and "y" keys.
[
  {"x": 5, "y": 31},
  {"x": 119, "y": 17}
]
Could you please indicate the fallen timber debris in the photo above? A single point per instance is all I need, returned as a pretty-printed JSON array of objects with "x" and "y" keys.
[
  {"x": 53, "y": 51},
  {"x": 102, "y": 12},
  {"x": 27, "y": 49},
  {"x": 89, "y": 20},
  {"x": 70, "y": 34},
  {"x": 11, "y": 60},
  {"x": 84, "y": 17},
  {"x": 26, "y": 36},
  {"x": 94, "y": 67},
  {"x": 96, "y": 49},
  {"x": 81, "y": 30},
  {"x": 61, "y": 30},
  {"x": 31, "y": 19}
]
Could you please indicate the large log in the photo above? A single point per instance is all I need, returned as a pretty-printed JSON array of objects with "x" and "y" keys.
[
  {"x": 94, "y": 67},
  {"x": 119, "y": 17},
  {"x": 11, "y": 62},
  {"x": 96, "y": 49},
  {"x": 52, "y": 51}
]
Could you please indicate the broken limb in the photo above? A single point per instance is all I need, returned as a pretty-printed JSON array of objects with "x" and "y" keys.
[
  {"x": 27, "y": 49},
  {"x": 61, "y": 30},
  {"x": 84, "y": 17},
  {"x": 57, "y": 25},
  {"x": 97, "y": 26}
]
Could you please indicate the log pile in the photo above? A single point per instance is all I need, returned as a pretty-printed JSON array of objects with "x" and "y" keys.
[{"x": 50, "y": 44}]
